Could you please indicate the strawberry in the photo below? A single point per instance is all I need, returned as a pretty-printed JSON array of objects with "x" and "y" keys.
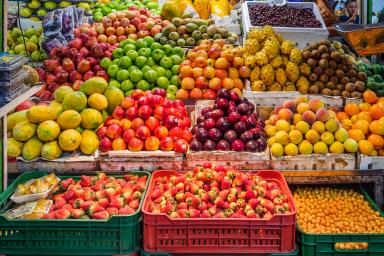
[
  {"x": 168, "y": 207},
  {"x": 112, "y": 210},
  {"x": 58, "y": 197},
  {"x": 219, "y": 202},
  {"x": 253, "y": 202},
  {"x": 224, "y": 193},
  {"x": 98, "y": 186},
  {"x": 136, "y": 195},
  {"x": 212, "y": 194},
  {"x": 279, "y": 209},
  {"x": 65, "y": 183},
  {"x": 205, "y": 214},
  {"x": 228, "y": 212},
  {"x": 103, "y": 202},
  {"x": 173, "y": 215},
  {"x": 117, "y": 203},
  {"x": 249, "y": 194},
  {"x": 50, "y": 215},
  {"x": 286, "y": 207},
  {"x": 59, "y": 204},
  {"x": 182, "y": 205},
  {"x": 183, "y": 213},
  {"x": 278, "y": 201},
  {"x": 127, "y": 197},
  {"x": 240, "y": 203},
  {"x": 85, "y": 181},
  {"x": 179, "y": 196},
  {"x": 77, "y": 202},
  {"x": 143, "y": 179},
  {"x": 268, "y": 215},
  {"x": 212, "y": 210},
  {"x": 219, "y": 215},
  {"x": 251, "y": 214},
  {"x": 89, "y": 195},
  {"x": 140, "y": 186},
  {"x": 259, "y": 210},
  {"x": 100, "y": 194},
  {"x": 94, "y": 208},
  {"x": 69, "y": 195},
  {"x": 79, "y": 193},
  {"x": 194, "y": 213},
  {"x": 237, "y": 182},
  {"x": 67, "y": 206},
  {"x": 101, "y": 215},
  {"x": 240, "y": 212},
  {"x": 195, "y": 200},
  {"x": 134, "y": 204},
  {"x": 220, "y": 168},
  {"x": 202, "y": 206},
  {"x": 85, "y": 205},
  {"x": 231, "y": 198},
  {"x": 267, "y": 204},
  {"x": 62, "y": 214},
  {"x": 110, "y": 192},
  {"x": 242, "y": 195},
  {"x": 101, "y": 175},
  {"x": 207, "y": 165},
  {"x": 77, "y": 213},
  {"x": 233, "y": 206},
  {"x": 205, "y": 197},
  {"x": 126, "y": 210}
]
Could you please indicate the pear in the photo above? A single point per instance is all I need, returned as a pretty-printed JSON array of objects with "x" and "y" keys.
[
  {"x": 29, "y": 32},
  {"x": 34, "y": 39},
  {"x": 64, "y": 4},
  {"x": 34, "y": 4},
  {"x": 19, "y": 48},
  {"x": 41, "y": 13},
  {"x": 25, "y": 12},
  {"x": 16, "y": 33},
  {"x": 39, "y": 31},
  {"x": 31, "y": 47},
  {"x": 50, "y": 5},
  {"x": 35, "y": 56}
]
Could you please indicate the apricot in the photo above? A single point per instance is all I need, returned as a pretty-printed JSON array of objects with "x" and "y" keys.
[
  {"x": 318, "y": 126},
  {"x": 282, "y": 138},
  {"x": 331, "y": 125},
  {"x": 350, "y": 145},
  {"x": 322, "y": 115},
  {"x": 351, "y": 109},
  {"x": 302, "y": 107},
  {"x": 341, "y": 135},
  {"x": 315, "y": 104},
  {"x": 295, "y": 136},
  {"x": 291, "y": 149},
  {"x": 362, "y": 125},
  {"x": 305, "y": 148},
  {"x": 309, "y": 117},
  {"x": 277, "y": 150},
  {"x": 312, "y": 136},
  {"x": 302, "y": 126},
  {"x": 327, "y": 138},
  {"x": 282, "y": 125},
  {"x": 320, "y": 148},
  {"x": 377, "y": 127},
  {"x": 285, "y": 114},
  {"x": 336, "y": 148},
  {"x": 297, "y": 118},
  {"x": 376, "y": 140}
]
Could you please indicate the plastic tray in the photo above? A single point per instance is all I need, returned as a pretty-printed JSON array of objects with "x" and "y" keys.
[
  {"x": 11, "y": 83},
  {"x": 10, "y": 63},
  {"x": 120, "y": 234},
  {"x": 303, "y": 36},
  {"x": 324, "y": 244},
  {"x": 215, "y": 235},
  {"x": 33, "y": 197},
  {"x": 7, "y": 96}
]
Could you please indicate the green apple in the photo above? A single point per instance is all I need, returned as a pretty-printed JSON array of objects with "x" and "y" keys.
[
  {"x": 172, "y": 89},
  {"x": 84, "y": 5},
  {"x": 34, "y": 39}
]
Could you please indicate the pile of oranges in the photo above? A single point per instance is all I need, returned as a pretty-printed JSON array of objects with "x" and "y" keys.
[
  {"x": 325, "y": 210},
  {"x": 365, "y": 123}
]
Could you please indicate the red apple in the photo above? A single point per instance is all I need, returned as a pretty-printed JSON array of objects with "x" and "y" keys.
[
  {"x": 135, "y": 144},
  {"x": 152, "y": 143},
  {"x": 89, "y": 74},
  {"x": 166, "y": 143},
  {"x": 114, "y": 131},
  {"x": 68, "y": 65},
  {"x": 152, "y": 123},
  {"x": 119, "y": 144},
  {"x": 76, "y": 43},
  {"x": 105, "y": 144},
  {"x": 159, "y": 113},
  {"x": 143, "y": 132},
  {"x": 127, "y": 102},
  {"x": 84, "y": 66},
  {"x": 103, "y": 74},
  {"x": 181, "y": 146}
]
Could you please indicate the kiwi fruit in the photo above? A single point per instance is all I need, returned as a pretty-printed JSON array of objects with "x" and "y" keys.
[
  {"x": 306, "y": 55},
  {"x": 342, "y": 67},
  {"x": 323, "y": 63},
  {"x": 350, "y": 87},
  {"x": 333, "y": 64},
  {"x": 316, "y": 45},
  {"x": 344, "y": 61},
  {"x": 346, "y": 94},
  {"x": 325, "y": 56},
  {"x": 334, "y": 79},
  {"x": 331, "y": 85},
  {"x": 336, "y": 92},
  {"x": 356, "y": 94},
  {"x": 315, "y": 54},
  {"x": 351, "y": 73},
  {"x": 329, "y": 72},
  {"x": 325, "y": 42},
  {"x": 319, "y": 85},
  {"x": 318, "y": 71},
  {"x": 324, "y": 78},
  {"x": 323, "y": 49},
  {"x": 335, "y": 56},
  {"x": 360, "y": 86},
  {"x": 362, "y": 76},
  {"x": 326, "y": 91},
  {"x": 313, "y": 89},
  {"x": 313, "y": 77},
  {"x": 340, "y": 87},
  {"x": 344, "y": 80},
  {"x": 353, "y": 79},
  {"x": 340, "y": 73},
  {"x": 312, "y": 63}
]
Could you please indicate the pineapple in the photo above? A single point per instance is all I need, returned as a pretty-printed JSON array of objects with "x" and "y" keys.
[
  {"x": 292, "y": 71},
  {"x": 295, "y": 56},
  {"x": 286, "y": 47},
  {"x": 258, "y": 86},
  {"x": 261, "y": 58},
  {"x": 255, "y": 74},
  {"x": 252, "y": 46},
  {"x": 280, "y": 76},
  {"x": 302, "y": 84},
  {"x": 267, "y": 74},
  {"x": 304, "y": 69},
  {"x": 277, "y": 61}
]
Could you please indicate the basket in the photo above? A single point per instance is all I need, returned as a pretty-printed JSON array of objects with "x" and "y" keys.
[
  {"x": 215, "y": 235},
  {"x": 120, "y": 234},
  {"x": 324, "y": 244}
]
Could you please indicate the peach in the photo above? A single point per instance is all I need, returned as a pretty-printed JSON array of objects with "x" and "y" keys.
[
  {"x": 290, "y": 104},
  {"x": 209, "y": 72},
  {"x": 143, "y": 132},
  {"x": 270, "y": 130},
  {"x": 161, "y": 132},
  {"x": 119, "y": 144},
  {"x": 221, "y": 73},
  {"x": 282, "y": 138},
  {"x": 136, "y": 123},
  {"x": 297, "y": 118},
  {"x": 182, "y": 94},
  {"x": 302, "y": 107},
  {"x": 215, "y": 84},
  {"x": 312, "y": 136},
  {"x": 152, "y": 123},
  {"x": 318, "y": 126},
  {"x": 320, "y": 148},
  {"x": 152, "y": 143},
  {"x": 197, "y": 71},
  {"x": 273, "y": 119},
  {"x": 135, "y": 144},
  {"x": 291, "y": 149},
  {"x": 315, "y": 104},
  {"x": 187, "y": 83},
  {"x": 322, "y": 115},
  {"x": 166, "y": 143},
  {"x": 228, "y": 83},
  {"x": 305, "y": 148},
  {"x": 309, "y": 117},
  {"x": 295, "y": 136},
  {"x": 196, "y": 94},
  {"x": 285, "y": 114},
  {"x": 282, "y": 125},
  {"x": 301, "y": 99},
  {"x": 332, "y": 125},
  {"x": 127, "y": 102},
  {"x": 201, "y": 83},
  {"x": 327, "y": 138}
]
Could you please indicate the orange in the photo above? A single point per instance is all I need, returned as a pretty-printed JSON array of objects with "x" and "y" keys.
[
  {"x": 354, "y": 118},
  {"x": 377, "y": 127},
  {"x": 370, "y": 97},
  {"x": 356, "y": 134},
  {"x": 351, "y": 109},
  {"x": 341, "y": 116},
  {"x": 377, "y": 111},
  {"x": 376, "y": 140},
  {"x": 366, "y": 147},
  {"x": 364, "y": 115},
  {"x": 362, "y": 125},
  {"x": 364, "y": 106}
]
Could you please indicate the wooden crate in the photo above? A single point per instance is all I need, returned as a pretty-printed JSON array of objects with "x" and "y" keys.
[
  {"x": 125, "y": 160},
  {"x": 314, "y": 162},
  {"x": 370, "y": 162}
]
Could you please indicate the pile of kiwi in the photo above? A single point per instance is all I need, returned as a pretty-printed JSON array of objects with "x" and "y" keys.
[{"x": 332, "y": 73}]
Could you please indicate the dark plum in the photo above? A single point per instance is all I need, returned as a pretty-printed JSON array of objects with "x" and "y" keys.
[
  {"x": 230, "y": 136},
  {"x": 195, "y": 145},
  {"x": 223, "y": 94},
  {"x": 205, "y": 110},
  {"x": 234, "y": 117},
  {"x": 209, "y": 123},
  {"x": 260, "y": 123},
  {"x": 240, "y": 127},
  {"x": 200, "y": 119},
  {"x": 242, "y": 109},
  {"x": 237, "y": 145},
  {"x": 201, "y": 135},
  {"x": 200, "y": 125},
  {"x": 256, "y": 133},
  {"x": 217, "y": 113},
  {"x": 223, "y": 145},
  {"x": 194, "y": 129},
  {"x": 251, "y": 146},
  {"x": 209, "y": 145},
  {"x": 231, "y": 109},
  {"x": 215, "y": 134},
  {"x": 243, "y": 100},
  {"x": 250, "y": 121},
  {"x": 222, "y": 103},
  {"x": 234, "y": 96},
  {"x": 208, "y": 114},
  {"x": 251, "y": 107},
  {"x": 246, "y": 136},
  {"x": 223, "y": 124},
  {"x": 261, "y": 144}
]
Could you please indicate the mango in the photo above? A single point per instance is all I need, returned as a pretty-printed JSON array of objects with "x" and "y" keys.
[
  {"x": 23, "y": 131},
  {"x": 32, "y": 148},
  {"x": 14, "y": 147},
  {"x": 89, "y": 142},
  {"x": 93, "y": 85},
  {"x": 98, "y": 101},
  {"x": 40, "y": 113},
  {"x": 51, "y": 150},
  {"x": 16, "y": 118}
]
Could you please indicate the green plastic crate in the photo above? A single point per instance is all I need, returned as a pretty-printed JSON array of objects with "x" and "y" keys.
[
  {"x": 324, "y": 244},
  {"x": 120, "y": 234},
  {"x": 294, "y": 253}
]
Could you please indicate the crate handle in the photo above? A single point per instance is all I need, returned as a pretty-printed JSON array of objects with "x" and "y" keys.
[{"x": 351, "y": 246}]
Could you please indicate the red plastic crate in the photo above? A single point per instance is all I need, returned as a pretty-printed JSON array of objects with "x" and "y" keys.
[{"x": 216, "y": 235}]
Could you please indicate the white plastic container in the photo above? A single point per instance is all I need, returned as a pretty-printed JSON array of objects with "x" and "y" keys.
[
  {"x": 33, "y": 197},
  {"x": 302, "y": 36}
]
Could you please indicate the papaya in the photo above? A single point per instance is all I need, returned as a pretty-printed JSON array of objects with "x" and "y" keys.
[
  {"x": 91, "y": 118},
  {"x": 32, "y": 148},
  {"x": 75, "y": 100},
  {"x": 61, "y": 92},
  {"x": 56, "y": 106},
  {"x": 69, "y": 119},
  {"x": 51, "y": 150},
  {"x": 114, "y": 96},
  {"x": 23, "y": 131},
  {"x": 16, "y": 118},
  {"x": 98, "y": 101},
  {"x": 89, "y": 142},
  {"x": 14, "y": 147},
  {"x": 41, "y": 113},
  {"x": 69, "y": 140},
  {"x": 93, "y": 85},
  {"x": 48, "y": 131}
]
